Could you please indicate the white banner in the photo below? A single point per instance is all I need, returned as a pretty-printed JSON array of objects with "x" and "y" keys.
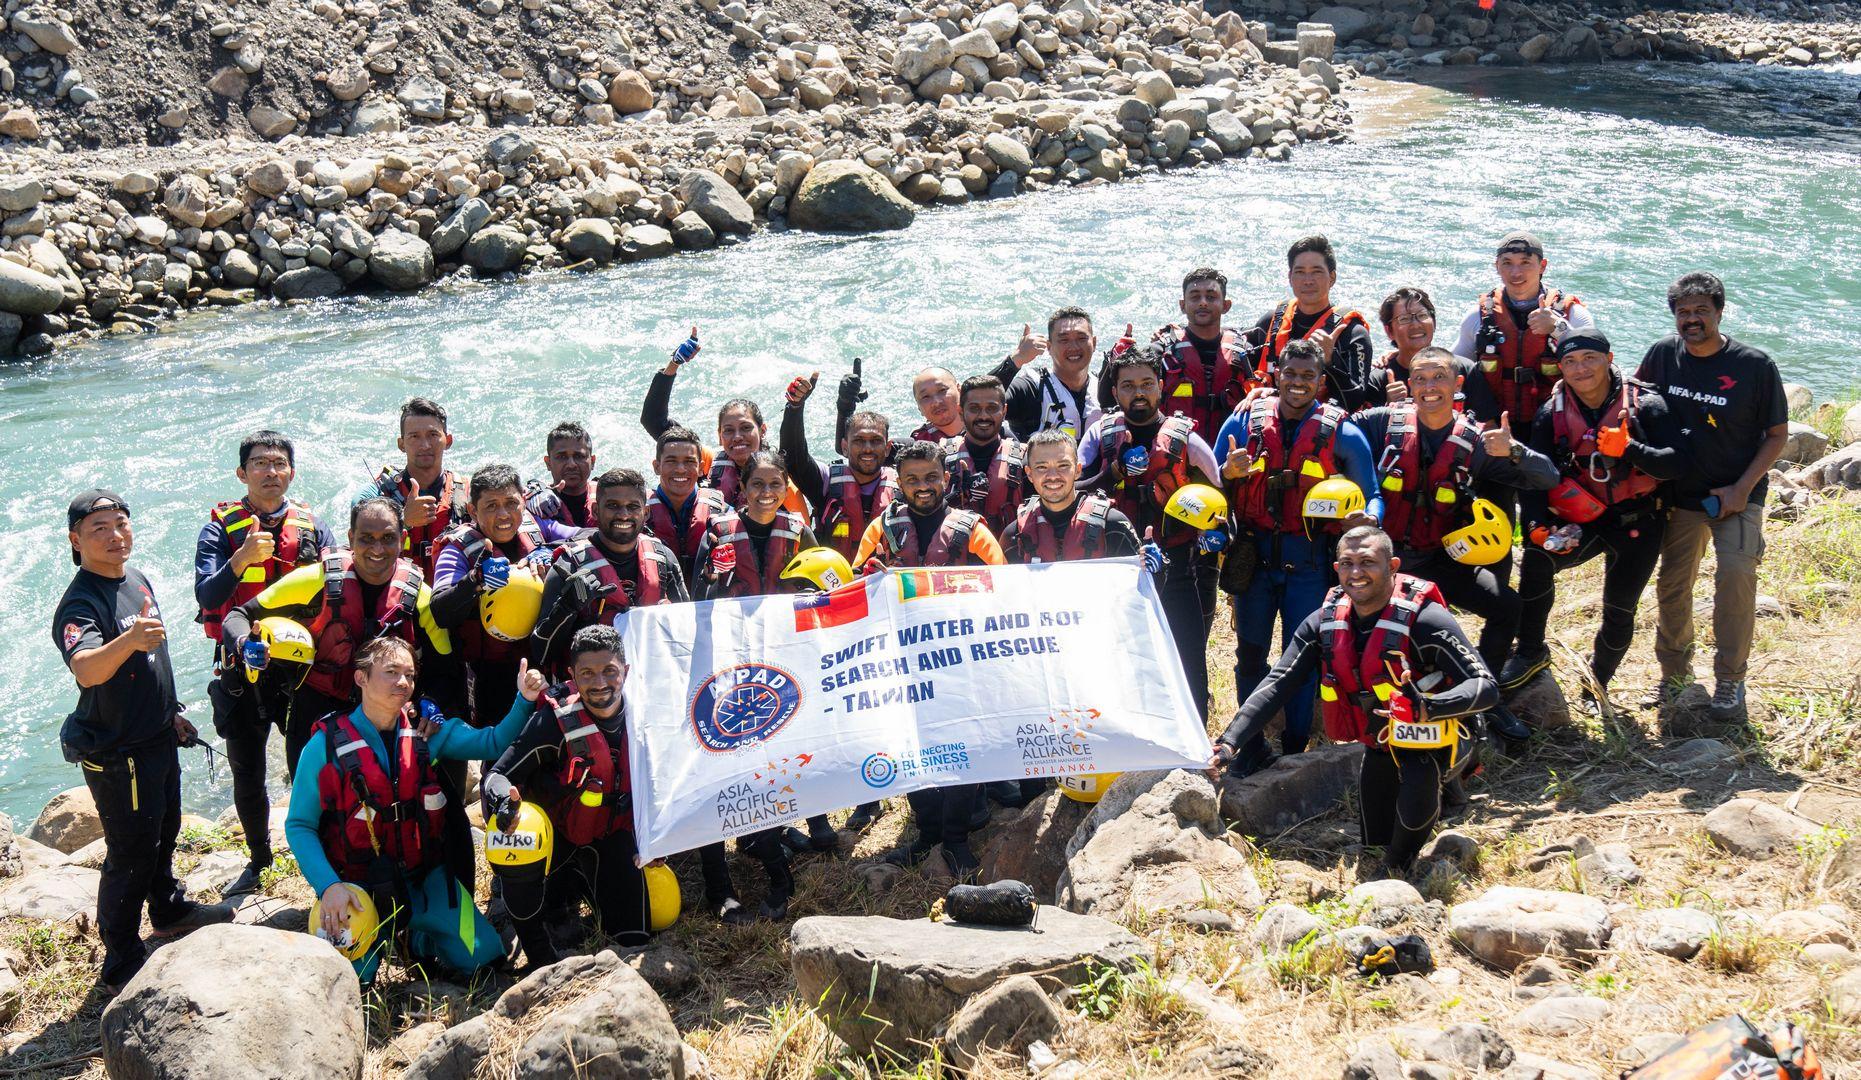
[{"x": 753, "y": 714}]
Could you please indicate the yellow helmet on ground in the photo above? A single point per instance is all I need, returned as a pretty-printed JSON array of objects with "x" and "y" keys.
[
  {"x": 1087, "y": 787},
  {"x": 510, "y": 613},
  {"x": 822, "y": 567},
  {"x": 287, "y": 642},
  {"x": 359, "y": 930},
  {"x": 1486, "y": 541},
  {"x": 662, "y": 897},
  {"x": 1333, "y": 498},
  {"x": 531, "y": 839},
  {"x": 1198, "y": 506}
]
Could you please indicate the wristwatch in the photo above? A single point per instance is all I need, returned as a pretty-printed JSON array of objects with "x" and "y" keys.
[{"x": 1518, "y": 453}]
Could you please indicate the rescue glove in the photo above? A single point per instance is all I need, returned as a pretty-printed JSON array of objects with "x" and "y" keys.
[
  {"x": 255, "y": 652},
  {"x": 1153, "y": 555},
  {"x": 687, "y": 349},
  {"x": 494, "y": 573},
  {"x": 1135, "y": 460},
  {"x": 1212, "y": 541},
  {"x": 501, "y": 801},
  {"x": 852, "y": 390}
]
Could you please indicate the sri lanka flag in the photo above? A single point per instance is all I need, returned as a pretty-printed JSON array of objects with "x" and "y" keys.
[
  {"x": 844, "y": 605},
  {"x": 923, "y": 583}
]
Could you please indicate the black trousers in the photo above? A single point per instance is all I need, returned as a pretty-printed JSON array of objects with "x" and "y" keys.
[
  {"x": 1506, "y": 497},
  {"x": 1399, "y": 800},
  {"x": 1629, "y": 551},
  {"x": 1188, "y": 596},
  {"x": 307, "y": 707},
  {"x": 765, "y": 847},
  {"x": 494, "y": 687},
  {"x": 943, "y": 813},
  {"x": 602, "y": 873},
  {"x": 1477, "y": 589},
  {"x": 138, "y": 796},
  {"x": 244, "y": 716}
]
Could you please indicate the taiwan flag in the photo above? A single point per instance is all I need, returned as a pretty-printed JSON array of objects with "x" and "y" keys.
[{"x": 844, "y": 605}]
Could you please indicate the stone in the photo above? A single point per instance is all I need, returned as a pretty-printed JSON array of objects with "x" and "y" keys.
[
  {"x": 1612, "y": 864},
  {"x": 1348, "y": 23},
  {"x": 69, "y": 820},
  {"x": 941, "y": 82},
  {"x": 629, "y": 93},
  {"x": 376, "y": 114},
  {"x": 1293, "y": 789},
  {"x": 1005, "y": 1018},
  {"x": 452, "y": 234},
  {"x": 1541, "y": 703},
  {"x": 1563, "y": 1015},
  {"x": 1458, "y": 848},
  {"x": 1533, "y": 49},
  {"x": 269, "y": 122},
  {"x": 1007, "y": 153},
  {"x": 619, "y": 1030},
  {"x": 922, "y": 49},
  {"x": 238, "y": 1001},
  {"x": 25, "y": 291},
  {"x": 1677, "y": 932},
  {"x": 1802, "y": 928},
  {"x": 1475, "y": 1047},
  {"x": 12, "y": 860},
  {"x": 847, "y": 196},
  {"x": 19, "y": 123},
  {"x": 496, "y": 249},
  {"x": 1152, "y": 843},
  {"x": 1508, "y": 925},
  {"x": 1383, "y": 903},
  {"x": 893, "y": 983},
  {"x": 217, "y": 869},
  {"x": 979, "y": 43},
  {"x": 1316, "y": 44},
  {"x": 1001, "y": 22},
  {"x": 348, "y": 82},
  {"x": 424, "y": 97},
  {"x": 1799, "y": 398},
  {"x": 646, "y": 242},
  {"x": 48, "y": 32},
  {"x": 1320, "y": 68},
  {"x": 1175, "y": 135},
  {"x": 716, "y": 201},
  {"x": 590, "y": 238},
  {"x": 1154, "y": 88},
  {"x": 509, "y": 148},
  {"x": 19, "y": 193},
  {"x": 691, "y": 233},
  {"x": 12, "y": 991},
  {"x": 1804, "y": 443},
  {"x": 52, "y": 893},
  {"x": 271, "y": 179},
  {"x": 1032, "y": 848},
  {"x": 136, "y": 182},
  {"x": 1697, "y": 754},
  {"x": 1851, "y": 424},
  {"x": 345, "y": 234},
  {"x": 1283, "y": 926},
  {"x": 1756, "y": 829},
  {"x": 401, "y": 261},
  {"x": 306, "y": 283}
]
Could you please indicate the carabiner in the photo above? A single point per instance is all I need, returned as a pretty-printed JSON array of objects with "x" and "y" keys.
[{"x": 1598, "y": 474}]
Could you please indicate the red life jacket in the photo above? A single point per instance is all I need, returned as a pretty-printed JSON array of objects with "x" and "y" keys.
[
  {"x": 1205, "y": 393},
  {"x": 1354, "y": 685},
  {"x": 1007, "y": 480},
  {"x": 590, "y": 796},
  {"x": 1271, "y": 497},
  {"x": 341, "y": 627},
  {"x": 549, "y": 504},
  {"x": 750, "y": 577},
  {"x": 1141, "y": 498},
  {"x": 1279, "y": 335},
  {"x": 368, "y": 814},
  {"x": 1519, "y": 365},
  {"x": 949, "y": 545},
  {"x": 294, "y": 543},
  {"x": 664, "y": 524},
  {"x": 1036, "y": 541},
  {"x": 844, "y": 514},
  {"x": 474, "y": 642},
  {"x": 422, "y": 541},
  {"x": 726, "y": 479},
  {"x": 1420, "y": 505},
  {"x": 585, "y": 559},
  {"x": 929, "y": 432},
  {"x": 1575, "y": 439}
]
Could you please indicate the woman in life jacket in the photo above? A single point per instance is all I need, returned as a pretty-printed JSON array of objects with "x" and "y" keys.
[
  {"x": 571, "y": 763},
  {"x": 368, "y": 809}
]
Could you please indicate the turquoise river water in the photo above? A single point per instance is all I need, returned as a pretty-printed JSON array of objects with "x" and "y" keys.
[{"x": 1631, "y": 175}]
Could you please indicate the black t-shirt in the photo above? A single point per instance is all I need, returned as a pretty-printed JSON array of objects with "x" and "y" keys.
[
  {"x": 1723, "y": 405},
  {"x": 1208, "y": 349},
  {"x": 137, "y": 705},
  {"x": 757, "y": 531}
]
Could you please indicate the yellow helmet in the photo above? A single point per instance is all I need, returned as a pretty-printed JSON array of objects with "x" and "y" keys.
[
  {"x": 1334, "y": 498},
  {"x": 510, "y": 613},
  {"x": 1486, "y": 541},
  {"x": 822, "y": 567},
  {"x": 1088, "y": 787},
  {"x": 662, "y": 897},
  {"x": 358, "y": 932},
  {"x": 531, "y": 839},
  {"x": 1198, "y": 506},
  {"x": 289, "y": 643}
]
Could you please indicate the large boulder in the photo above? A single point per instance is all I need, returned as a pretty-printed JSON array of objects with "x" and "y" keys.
[
  {"x": 1756, "y": 829},
  {"x": 892, "y": 984},
  {"x": 1032, "y": 848},
  {"x": 187, "y": 200},
  {"x": 496, "y": 249},
  {"x": 1153, "y": 843},
  {"x": 68, "y": 821},
  {"x": 306, "y": 283},
  {"x": 51, "y": 893},
  {"x": 25, "y": 291},
  {"x": 582, "y": 1017},
  {"x": 1348, "y": 23},
  {"x": 1292, "y": 789},
  {"x": 452, "y": 233},
  {"x": 230, "y": 1002},
  {"x": 646, "y": 242},
  {"x": 922, "y": 49},
  {"x": 590, "y": 238},
  {"x": 1506, "y": 925},
  {"x": 400, "y": 261},
  {"x": 1804, "y": 444},
  {"x": 1008, "y": 153},
  {"x": 719, "y": 204},
  {"x": 847, "y": 196}
]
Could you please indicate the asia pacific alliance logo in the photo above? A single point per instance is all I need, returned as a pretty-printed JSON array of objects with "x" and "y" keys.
[
  {"x": 878, "y": 770},
  {"x": 743, "y": 705}
]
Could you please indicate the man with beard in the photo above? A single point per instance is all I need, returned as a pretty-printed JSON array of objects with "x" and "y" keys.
[
  {"x": 852, "y": 491},
  {"x": 1727, "y": 400},
  {"x": 617, "y": 568},
  {"x": 1342, "y": 337},
  {"x": 1137, "y": 457},
  {"x": 1056, "y": 396},
  {"x": 1206, "y": 368},
  {"x": 432, "y": 499},
  {"x": 679, "y": 511},
  {"x": 986, "y": 471},
  {"x": 1408, "y": 317},
  {"x": 568, "y": 454}
]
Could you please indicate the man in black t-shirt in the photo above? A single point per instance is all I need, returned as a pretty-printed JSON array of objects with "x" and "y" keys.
[
  {"x": 1342, "y": 335},
  {"x": 124, "y": 734},
  {"x": 1727, "y": 401}
]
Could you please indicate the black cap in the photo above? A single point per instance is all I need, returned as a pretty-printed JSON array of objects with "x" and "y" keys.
[
  {"x": 1578, "y": 340},
  {"x": 1521, "y": 242},
  {"x": 90, "y": 502}
]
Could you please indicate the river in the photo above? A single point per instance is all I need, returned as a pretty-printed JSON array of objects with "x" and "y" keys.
[{"x": 1631, "y": 175}]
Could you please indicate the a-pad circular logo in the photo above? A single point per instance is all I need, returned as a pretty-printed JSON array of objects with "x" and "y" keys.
[
  {"x": 878, "y": 770},
  {"x": 742, "y": 705}
]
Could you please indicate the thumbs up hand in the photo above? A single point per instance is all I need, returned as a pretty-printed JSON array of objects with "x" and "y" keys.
[
  {"x": 1030, "y": 345},
  {"x": 1236, "y": 462},
  {"x": 530, "y": 682},
  {"x": 1153, "y": 555},
  {"x": 146, "y": 632},
  {"x": 1498, "y": 438},
  {"x": 687, "y": 349}
]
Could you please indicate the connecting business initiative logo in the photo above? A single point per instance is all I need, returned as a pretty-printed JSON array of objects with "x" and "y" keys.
[
  {"x": 878, "y": 770},
  {"x": 743, "y": 705}
]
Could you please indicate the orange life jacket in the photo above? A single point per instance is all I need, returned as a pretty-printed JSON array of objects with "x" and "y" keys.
[
  {"x": 1354, "y": 685},
  {"x": 1006, "y": 480},
  {"x": 1612, "y": 481},
  {"x": 1423, "y": 503},
  {"x": 294, "y": 543},
  {"x": 1206, "y": 393},
  {"x": 844, "y": 513},
  {"x": 1279, "y": 335},
  {"x": 474, "y": 642},
  {"x": 949, "y": 545},
  {"x": 1271, "y": 497},
  {"x": 369, "y": 816},
  {"x": 1519, "y": 365},
  {"x": 748, "y": 576},
  {"x": 1143, "y": 496},
  {"x": 341, "y": 627},
  {"x": 1037, "y": 542},
  {"x": 590, "y": 795}
]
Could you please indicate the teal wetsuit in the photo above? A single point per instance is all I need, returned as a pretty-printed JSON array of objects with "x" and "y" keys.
[{"x": 442, "y": 927}]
